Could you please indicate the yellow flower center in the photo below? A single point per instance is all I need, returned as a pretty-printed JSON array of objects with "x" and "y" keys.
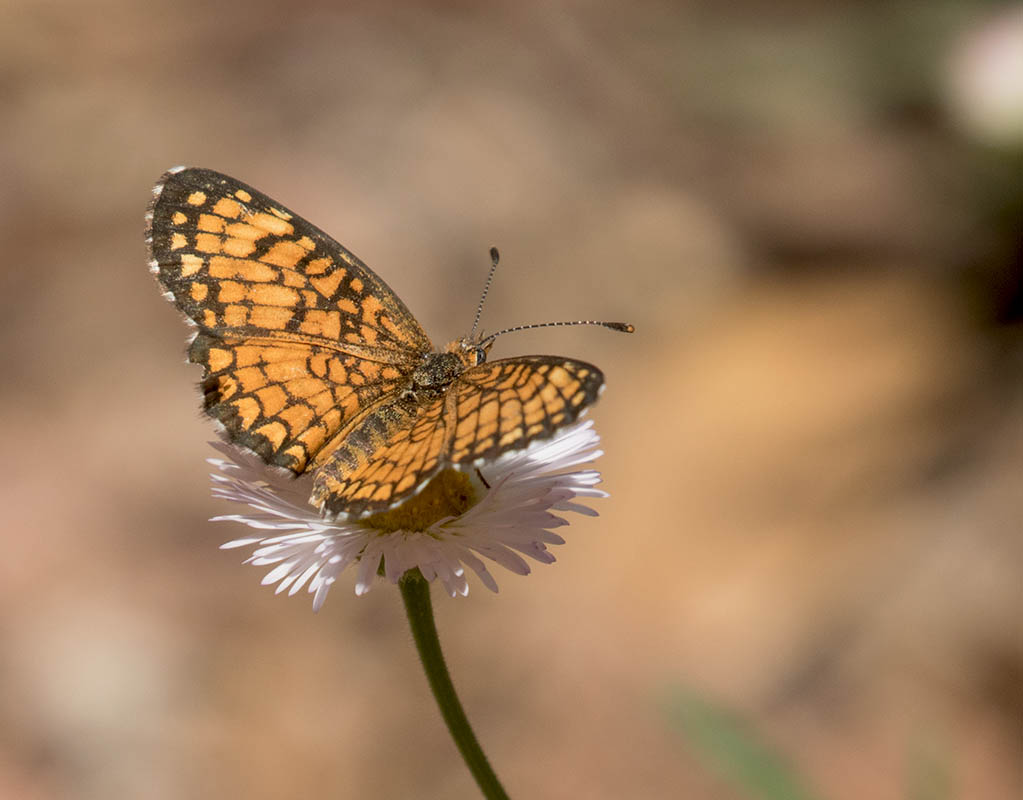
[{"x": 449, "y": 494}]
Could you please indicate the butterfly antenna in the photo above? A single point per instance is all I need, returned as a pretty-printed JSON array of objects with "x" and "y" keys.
[
  {"x": 624, "y": 327},
  {"x": 494, "y": 258}
]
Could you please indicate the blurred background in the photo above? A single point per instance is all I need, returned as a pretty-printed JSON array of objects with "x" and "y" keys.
[{"x": 807, "y": 581}]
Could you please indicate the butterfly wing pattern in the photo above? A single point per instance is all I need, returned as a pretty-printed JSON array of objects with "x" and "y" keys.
[
  {"x": 489, "y": 409},
  {"x": 311, "y": 361},
  {"x": 296, "y": 336}
]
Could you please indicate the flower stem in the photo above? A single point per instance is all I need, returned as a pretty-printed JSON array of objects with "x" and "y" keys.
[{"x": 415, "y": 591}]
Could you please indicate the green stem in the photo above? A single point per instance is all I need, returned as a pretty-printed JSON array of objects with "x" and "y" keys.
[{"x": 415, "y": 591}]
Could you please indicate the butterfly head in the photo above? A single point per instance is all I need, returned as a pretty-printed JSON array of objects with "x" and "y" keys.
[{"x": 470, "y": 351}]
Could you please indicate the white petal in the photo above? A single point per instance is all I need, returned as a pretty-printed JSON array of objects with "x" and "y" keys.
[{"x": 513, "y": 521}]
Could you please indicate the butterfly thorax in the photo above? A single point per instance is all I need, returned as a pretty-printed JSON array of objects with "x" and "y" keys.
[{"x": 438, "y": 370}]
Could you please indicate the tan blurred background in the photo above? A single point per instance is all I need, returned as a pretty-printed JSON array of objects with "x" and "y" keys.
[{"x": 812, "y": 214}]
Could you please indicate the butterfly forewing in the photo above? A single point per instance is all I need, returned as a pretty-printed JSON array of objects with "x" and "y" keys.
[
  {"x": 297, "y": 337},
  {"x": 490, "y": 409},
  {"x": 504, "y": 405},
  {"x": 237, "y": 261}
]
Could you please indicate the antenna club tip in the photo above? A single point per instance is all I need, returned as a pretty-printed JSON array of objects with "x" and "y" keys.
[
  {"x": 494, "y": 255},
  {"x": 624, "y": 327}
]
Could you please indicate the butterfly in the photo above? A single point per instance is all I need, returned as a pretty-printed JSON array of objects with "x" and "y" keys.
[{"x": 313, "y": 363}]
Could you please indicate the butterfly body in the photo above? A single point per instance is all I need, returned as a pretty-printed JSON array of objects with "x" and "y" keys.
[
  {"x": 438, "y": 370},
  {"x": 312, "y": 362}
]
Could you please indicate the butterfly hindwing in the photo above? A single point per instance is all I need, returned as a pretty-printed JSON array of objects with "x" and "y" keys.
[
  {"x": 288, "y": 402},
  {"x": 488, "y": 410},
  {"x": 384, "y": 460}
]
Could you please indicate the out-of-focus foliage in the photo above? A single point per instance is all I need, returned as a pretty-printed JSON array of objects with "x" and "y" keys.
[{"x": 730, "y": 746}]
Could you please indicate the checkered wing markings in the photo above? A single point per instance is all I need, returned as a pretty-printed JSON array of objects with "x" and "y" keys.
[
  {"x": 490, "y": 409},
  {"x": 383, "y": 460},
  {"x": 277, "y": 303},
  {"x": 237, "y": 262},
  {"x": 287, "y": 401},
  {"x": 504, "y": 405}
]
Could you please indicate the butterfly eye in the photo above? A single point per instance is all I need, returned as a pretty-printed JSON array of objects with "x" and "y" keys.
[{"x": 481, "y": 355}]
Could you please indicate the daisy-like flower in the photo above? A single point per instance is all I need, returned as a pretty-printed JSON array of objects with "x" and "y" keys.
[{"x": 501, "y": 512}]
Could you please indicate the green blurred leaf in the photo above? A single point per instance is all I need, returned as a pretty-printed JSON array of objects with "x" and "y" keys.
[
  {"x": 929, "y": 772},
  {"x": 730, "y": 745}
]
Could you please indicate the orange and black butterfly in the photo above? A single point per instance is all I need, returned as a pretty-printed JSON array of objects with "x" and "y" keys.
[{"x": 312, "y": 362}]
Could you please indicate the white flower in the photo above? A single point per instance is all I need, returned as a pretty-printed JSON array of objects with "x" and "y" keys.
[
  {"x": 983, "y": 79},
  {"x": 513, "y": 517}
]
